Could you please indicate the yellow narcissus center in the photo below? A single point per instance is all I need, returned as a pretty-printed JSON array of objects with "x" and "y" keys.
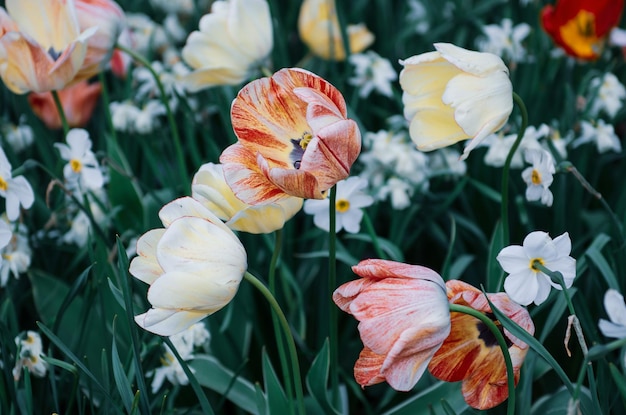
[
  {"x": 3, "y": 184},
  {"x": 535, "y": 177},
  {"x": 580, "y": 34},
  {"x": 533, "y": 266},
  {"x": 342, "y": 205},
  {"x": 76, "y": 165}
]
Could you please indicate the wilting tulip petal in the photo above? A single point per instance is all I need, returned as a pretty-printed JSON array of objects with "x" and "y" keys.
[
  {"x": 194, "y": 267},
  {"x": 471, "y": 353},
  {"x": 454, "y": 94},
  {"x": 294, "y": 138},
  {"x": 403, "y": 319}
]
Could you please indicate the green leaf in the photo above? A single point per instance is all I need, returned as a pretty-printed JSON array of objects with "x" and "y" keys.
[
  {"x": 121, "y": 380},
  {"x": 603, "y": 266},
  {"x": 429, "y": 401},
  {"x": 559, "y": 402},
  {"x": 459, "y": 266},
  {"x": 494, "y": 270},
  {"x": 213, "y": 375},
  {"x": 556, "y": 312},
  {"x": 619, "y": 380},
  {"x": 317, "y": 379},
  {"x": 391, "y": 249},
  {"x": 276, "y": 399}
]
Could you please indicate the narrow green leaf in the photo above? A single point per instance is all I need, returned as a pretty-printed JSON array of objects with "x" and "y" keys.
[
  {"x": 445, "y": 268},
  {"x": 317, "y": 379},
  {"x": 486, "y": 191},
  {"x": 65, "y": 350},
  {"x": 431, "y": 399},
  {"x": 71, "y": 295},
  {"x": 117, "y": 294},
  {"x": 27, "y": 392},
  {"x": 391, "y": 249},
  {"x": 559, "y": 403},
  {"x": 121, "y": 380},
  {"x": 494, "y": 270},
  {"x": 603, "y": 266},
  {"x": 557, "y": 308},
  {"x": 534, "y": 344},
  {"x": 60, "y": 363},
  {"x": 276, "y": 398},
  {"x": 213, "y": 375},
  {"x": 619, "y": 380},
  {"x": 459, "y": 266},
  {"x": 261, "y": 400}
]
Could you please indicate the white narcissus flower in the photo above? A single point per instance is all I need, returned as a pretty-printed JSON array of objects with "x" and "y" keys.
[
  {"x": 210, "y": 188},
  {"x": 525, "y": 283},
  {"x": 454, "y": 94},
  {"x": 372, "y": 72},
  {"x": 538, "y": 177},
  {"x": 18, "y": 136},
  {"x": 505, "y": 40},
  {"x": 616, "y": 310},
  {"x": 610, "y": 94},
  {"x": 15, "y": 190},
  {"x": 30, "y": 352},
  {"x": 194, "y": 266},
  {"x": 234, "y": 38},
  {"x": 349, "y": 201},
  {"x": 82, "y": 166},
  {"x": 601, "y": 133},
  {"x": 500, "y": 145},
  {"x": 16, "y": 254}
]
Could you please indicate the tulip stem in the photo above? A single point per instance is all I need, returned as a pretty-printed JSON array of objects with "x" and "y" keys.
[
  {"x": 370, "y": 229},
  {"x": 291, "y": 344},
  {"x": 170, "y": 116},
  {"x": 59, "y": 105},
  {"x": 504, "y": 204},
  {"x": 278, "y": 243},
  {"x": 510, "y": 375},
  {"x": 332, "y": 283}
]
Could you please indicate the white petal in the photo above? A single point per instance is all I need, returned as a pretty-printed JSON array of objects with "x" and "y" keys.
[
  {"x": 168, "y": 322},
  {"x": 513, "y": 259},
  {"x": 611, "y": 329},
  {"x": 615, "y": 307},
  {"x": 522, "y": 287}
]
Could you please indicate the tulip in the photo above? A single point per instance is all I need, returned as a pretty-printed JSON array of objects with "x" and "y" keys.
[
  {"x": 209, "y": 188},
  {"x": 294, "y": 139},
  {"x": 403, "y": 320},
  {"x": 581, "y": 27},
  {"x": 233, "y": 39},
  {"x": 108, "y": 17},
  {"x": 78, "y": 102},
  {"x": 471, "y": 353},
  {"x": 194, "y": 266},
  {"x": 41, "y": 45},
  {"x": 319, "y": 30},
  {"x": 454, "y": 94}
]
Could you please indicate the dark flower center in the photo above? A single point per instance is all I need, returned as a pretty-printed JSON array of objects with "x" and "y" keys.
[
  {"x": 299, "y": 146},
  {"x": 487, "y": 336}
]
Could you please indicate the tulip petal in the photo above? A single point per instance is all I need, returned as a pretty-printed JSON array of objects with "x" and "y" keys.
[
  {"x": 367, "y": 369},
  {"x": 145, "y": 266},
  {"x": 168, "y": 322}
]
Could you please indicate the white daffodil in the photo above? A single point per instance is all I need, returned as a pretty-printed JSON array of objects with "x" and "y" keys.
[
  {"x": 398, "y": 191},
  {"x": 616, "y": 310},
  {"x": 526, "y": 283},
  {"x": 194, "y": 266},
  {"x": 349, "y": 201},
  {"x": 232, "y": 42},
  {"x": 16, "y": 254},
  {"x": 30, "y": 350},
  {"x": 601, "y": 133},
  {"x": 15, "y": 190},
  {"x": 454, "y": 94},
  {"x": 210, "y": 188},
  {"x": 609, "y": 96},
  {"x": 505, "y": 40},
  {"x": 18, "y": 136},
  {"x": 500, "y": 145},
  {"x": 372, "y": 72},
  {"x": 538, "y": 177},
  {"x": 184, "y": 343},
  {"x": 82, "y": 166}
]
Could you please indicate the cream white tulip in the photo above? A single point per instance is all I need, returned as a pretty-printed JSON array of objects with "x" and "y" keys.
[
  {"x": 234, "y": 38},
  {"x": 210, "y": 188},
  {"x": 454, "y": 94},
  {"x": 194, "y": 266}
]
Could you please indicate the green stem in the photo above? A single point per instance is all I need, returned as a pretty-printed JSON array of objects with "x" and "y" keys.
[
  {"x": 59, "y": 105},
  {"x": 178, "y": 148},
  {"x": 278, "y": 243},
  {"x": 372, "y": 232},
  {"x": 510, "y": 375},
  {"x": 295, "y": 365},
  {"x": 504, "y": 206},
  {"x": 332, "y": 283}
]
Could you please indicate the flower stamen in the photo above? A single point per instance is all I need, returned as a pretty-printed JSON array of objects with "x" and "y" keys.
[
  {"x": 534, "y": 262},
  {"x": 76, "y": 165},
  {"x": 3, "y": 184},
  {"x": 342, "y": 205},
  {"x": 535, "y": 177}
]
